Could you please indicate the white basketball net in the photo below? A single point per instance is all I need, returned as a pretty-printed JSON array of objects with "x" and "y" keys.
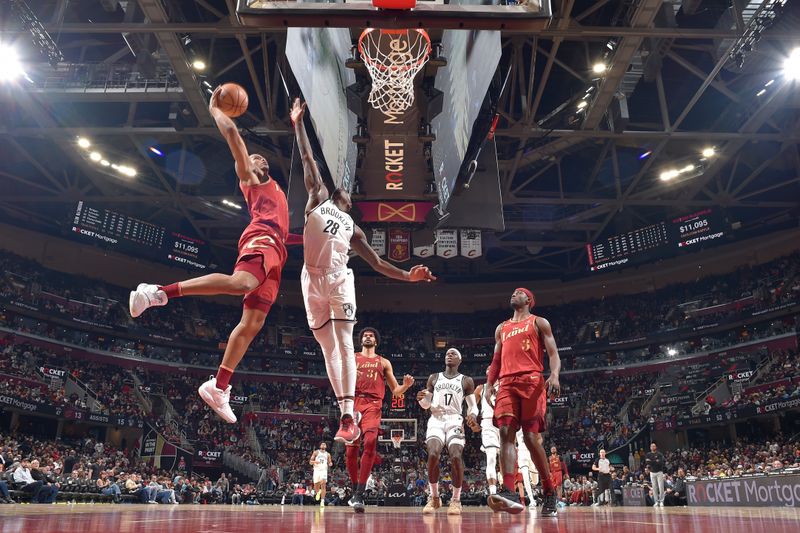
[
  {"x": 393, "y": 58},
  {"x": 396, "y": 441}
]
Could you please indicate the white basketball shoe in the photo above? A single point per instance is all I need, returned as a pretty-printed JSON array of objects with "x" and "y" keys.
[
  {"x": 144, "y": 297},
  {"x": 218, "y": 400}
]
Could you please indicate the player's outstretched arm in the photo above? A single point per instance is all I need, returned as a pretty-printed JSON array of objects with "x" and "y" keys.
[
  {"x": 315, "y": 186},
  {"x": 553, "y": 385},
  {"x": 361, "y": 247},
  {"x": 226, "y": 126},
  {"x": 394, "y": 386}
]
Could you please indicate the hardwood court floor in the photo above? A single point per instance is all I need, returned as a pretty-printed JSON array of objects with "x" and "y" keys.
[{"x": 272, "y": 519}]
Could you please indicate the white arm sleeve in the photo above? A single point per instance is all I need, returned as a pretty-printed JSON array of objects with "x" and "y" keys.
[
  {"x": 425, "y": 402},
  {"x": 472, "y": 405}
]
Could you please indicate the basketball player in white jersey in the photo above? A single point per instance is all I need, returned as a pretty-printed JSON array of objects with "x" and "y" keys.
[
  {"x": 320, "y": 460},
  {"x": 490, "y": 437},
  {"x": 527, "y": 470},
  {"x": 444, "y": 395},
  {"x": 328, "y": 289}
]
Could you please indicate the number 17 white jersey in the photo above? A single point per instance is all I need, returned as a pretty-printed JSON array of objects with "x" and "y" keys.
[
  {"x": 326, "y": 237},
  {"x": 448, "y": 395}
]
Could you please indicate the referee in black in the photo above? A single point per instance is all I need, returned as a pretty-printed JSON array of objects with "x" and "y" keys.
[{"x": 603, "y": 469}]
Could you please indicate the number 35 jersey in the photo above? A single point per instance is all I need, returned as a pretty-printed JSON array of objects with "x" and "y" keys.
[
  {"x": 448, "y": 395},
  {"x": 326, "y": 237}
]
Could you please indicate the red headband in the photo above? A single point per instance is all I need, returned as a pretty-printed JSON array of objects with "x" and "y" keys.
[{"x": 529, "y": 294}]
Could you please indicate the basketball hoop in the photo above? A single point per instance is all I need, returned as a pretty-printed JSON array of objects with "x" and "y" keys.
[
  {"x": 393, "y": 59},
  {"x": 396, "y": 441}
]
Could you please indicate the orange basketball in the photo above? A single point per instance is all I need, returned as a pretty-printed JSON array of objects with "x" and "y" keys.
[{"x": 232, "y": 100}]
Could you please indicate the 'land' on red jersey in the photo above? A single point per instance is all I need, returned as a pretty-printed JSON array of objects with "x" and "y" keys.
[
  {"x": 371, "y": 382},
  {"x": 521, "y": 348},
  {"x": 269, "y": 217}
]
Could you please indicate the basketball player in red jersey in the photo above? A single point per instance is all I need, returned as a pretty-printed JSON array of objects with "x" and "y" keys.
[
  {"x": 521, "y": 399},
  {"x": 558, "y": 470},
  {"x": 374, "y": 373},
  {"x": 257, "y": 274}
]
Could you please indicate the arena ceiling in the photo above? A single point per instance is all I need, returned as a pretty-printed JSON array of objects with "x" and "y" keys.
[{"x": 693, "y": 75}]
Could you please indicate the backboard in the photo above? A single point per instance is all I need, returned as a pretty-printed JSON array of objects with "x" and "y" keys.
[{"x": 505, "y": 15}]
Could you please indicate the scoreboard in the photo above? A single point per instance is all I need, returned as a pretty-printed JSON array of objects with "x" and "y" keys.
[
  {"x": 656, "y": 241},
  {"x": 129, "y": 235}
]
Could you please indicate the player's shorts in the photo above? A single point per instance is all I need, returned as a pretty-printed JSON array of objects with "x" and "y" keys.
[
  {"x": 449, "y": 429},
  {"x": 328, "y": 295},
  {"x": 320, "y": 476},
  {"x": 557, "y": 478},
  {"x": 490, "y": 435},
  {"x": 521, "y": 403},
  {"x": 265, "y": 261},
  {"x": 370, "y": 409}
]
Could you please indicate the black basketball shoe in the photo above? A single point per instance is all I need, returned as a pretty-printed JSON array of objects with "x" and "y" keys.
[
  {"x": 505, "y": 500},
  {"x": 550, "y": 505}
]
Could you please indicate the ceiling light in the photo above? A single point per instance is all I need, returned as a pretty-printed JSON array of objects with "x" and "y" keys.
[
  {"x": 83, "y": 142},
  {"x": 10, "y": 65},
  {"x": 104, "y": 162},
  {"x": 668, "y": 175},
  {"x": 582, "y": 104},
  {"x": 791, "y": 67},
  {"x": 687, "y": 168},
  {"x": 156, "y": 151},
  {"x": 199, "y": 64},
  {"x": 646, "y": 154},
  {"x": 770, "y": 82},
  {"x": 709, "y": 152},
  {"x": 762, "y": 91},
  {"x": 231, "y": 204},
  {"x": 671, "y": 352},
  {"x": 95, "y": 156},
  {"x": 599, "y": 68}
]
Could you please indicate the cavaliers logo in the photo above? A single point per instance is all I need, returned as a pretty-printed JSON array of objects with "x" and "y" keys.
[
  {"x": 349, "y": 310},
  {"x": 405, "y": 213}
]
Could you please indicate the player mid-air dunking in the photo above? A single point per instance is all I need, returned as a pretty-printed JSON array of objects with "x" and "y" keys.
[
  {"x": 522, "y": 396},
  {"x": 374, "y": 373},
  {"x": 444, "y": 396},
  {"x": 257, "y": 274},
  {"x": 328, "y": 289},
  {"x": 321, "y": 460}
]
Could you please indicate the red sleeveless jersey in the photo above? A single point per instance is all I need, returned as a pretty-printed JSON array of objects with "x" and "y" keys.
[
  {"x": 555, "y": 465},
  {"x": 269, "y": 217},
  {"x": 521, "y": 349},
  {"x": 370, "y": 383}
]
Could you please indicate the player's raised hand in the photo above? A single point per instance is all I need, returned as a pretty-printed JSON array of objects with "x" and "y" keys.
[
  {"x": 408, "y": 380},
  {"x": 214, "y": 96},
  {"x": 420, "y": 273},
  {"x": 553, "y": 386},
  {"x": 298, "y": 110},
  {"x": 472, "y": 422}
]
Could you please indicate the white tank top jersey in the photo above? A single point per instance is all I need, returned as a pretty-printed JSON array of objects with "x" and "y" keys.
[
  {"x": 486, "y": 410},
  {"x": 326, "y": 237},
  {"x": 321, "y": 461},
  {"x": 448, "y": 395}
]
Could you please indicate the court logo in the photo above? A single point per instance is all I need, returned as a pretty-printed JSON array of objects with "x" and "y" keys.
[{"x": 349, "y": 310}]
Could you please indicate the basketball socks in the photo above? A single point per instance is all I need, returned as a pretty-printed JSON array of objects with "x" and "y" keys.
[
  {"x": 223, "y": 377},
  {"x": 351, "y": 459},
  {"x": 509, "y": 481},
  {"x": 492, "y": 489},
  {"x": 457, "y": 494},
  {"x": 173, "y": 290},
  {"x": 547, "y": 484},
  {"x": 346, "y": 406},
  {"x": 435, "y": 490},
  {"x": 368, "y": 456}
]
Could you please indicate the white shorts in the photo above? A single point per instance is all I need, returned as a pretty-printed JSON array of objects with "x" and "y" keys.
[
  {"x": 490, "y": 435},
  {"x": 320, "y": 475},
  {"x": 328, "y": 296},
  {"x": 447, "y": 428},
  {"x": 523, "y": 454}
]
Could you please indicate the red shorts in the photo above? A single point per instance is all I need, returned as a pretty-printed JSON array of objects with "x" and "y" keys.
[
  {"x": 557, "y": 479},
  {"x": 370, "y": 409},
  {"x": 521, "y": 403},
  {"x": 265, "y": 263}
]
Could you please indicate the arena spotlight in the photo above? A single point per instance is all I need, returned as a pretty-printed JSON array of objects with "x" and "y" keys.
[
  {"x": 231, "y": 204},
  {"x": 95, "y": 156},
  {"x": 599, "y": 68},
  {"x": 10, "y": 65},
  {"x": 668, "y": 175},
  {"x": 199, "y": 65},
  {"x": 83, "y": 142},
  {"x": 156, "y": 151},
  {"x": 645, "y": 155},
  {"x": 672, "y": 352},
  {"x": 709, "y": 151},
  {"x": 104, "y": 162},
  {"x": 791, "y": 67},
  {"x": 582, "y": 104}
]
